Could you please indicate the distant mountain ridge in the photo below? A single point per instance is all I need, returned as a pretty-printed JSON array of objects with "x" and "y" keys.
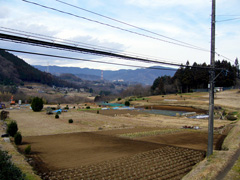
[{"x": 143, "y": 76}]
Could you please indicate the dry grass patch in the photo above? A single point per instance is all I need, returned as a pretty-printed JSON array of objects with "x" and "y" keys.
[
  {"x": 232, "y": 140},
  {"x": 234, "y": 174},
  {"x": 210, "y": 167},
  {"x": 150, "y": 133},
  {"x": 18, "y": 159}
]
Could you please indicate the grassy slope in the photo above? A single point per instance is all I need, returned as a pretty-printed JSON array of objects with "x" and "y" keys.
[
  {"x": 18, "y": 159},
  {"x": 210, "y": 167}
]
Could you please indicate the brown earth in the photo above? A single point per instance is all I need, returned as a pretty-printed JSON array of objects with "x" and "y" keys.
[
  {"x": 113, "y": 112},
  {"x": 79, "y": 151},
  {"x": 177, "y": 108},
  {"x": 73, "y": 150},
  {"x": 84, "y": 147},
  {"x": 193, "y": 140}
]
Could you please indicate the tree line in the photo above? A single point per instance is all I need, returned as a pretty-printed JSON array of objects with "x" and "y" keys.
[{"x": 196, "y": 76}]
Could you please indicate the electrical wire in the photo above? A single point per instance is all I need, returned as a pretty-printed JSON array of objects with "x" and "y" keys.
[
  {"x": 87, "y": 60},
  {"x": 122, "y": 22},
  {"x": 79, "y": 49},
  {"x": 71, "y": 14},
  {"x": 92, "y": 48},
  {"x": 232, "y": 19},
  {"x": 227, "y": 15},
  {"x": 116, "y": 27},
  {"x": 76, "y": 43},
  {"x": 197, "y": 67}
]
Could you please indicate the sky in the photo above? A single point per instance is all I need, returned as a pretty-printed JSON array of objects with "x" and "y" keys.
[{"x": 184, "y": 20}]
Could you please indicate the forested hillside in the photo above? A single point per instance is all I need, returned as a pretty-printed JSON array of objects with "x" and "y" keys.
[{"x": 15, "y": 71}]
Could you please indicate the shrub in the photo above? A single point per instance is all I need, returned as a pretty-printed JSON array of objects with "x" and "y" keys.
[
  {"x": 70, "y": 121},
  {"x": 37, "y": 104},
  {"x": 8, "y": 169},
  {"x": 97, "y": 112},
  {"x": 127, "y": 103},
  {"x": 231, "y": 118},
  {"x": 12, "y": 128},
  {"x": 4, "y": 115},
  {"x": 146, "y": 107},
  {"x": 66, "y": 107},
  {"x": 119, "y": 99},
  {"x": 18, "y": 138},
  {"x": 88, "y": 107},
  {"x": 28, "y": 149},
  {"x": 56, "y": 116}
]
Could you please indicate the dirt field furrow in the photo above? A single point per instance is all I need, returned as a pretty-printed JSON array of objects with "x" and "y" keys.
[{"x": 162, "y": 163}]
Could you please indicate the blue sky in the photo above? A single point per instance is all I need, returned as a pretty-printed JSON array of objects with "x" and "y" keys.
[{"x": 184, "y": 20}]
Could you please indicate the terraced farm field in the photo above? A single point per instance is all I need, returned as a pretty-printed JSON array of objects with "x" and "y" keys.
[
  {"x": 163, "y": 163},
  {"x": 106, "y": 155}
]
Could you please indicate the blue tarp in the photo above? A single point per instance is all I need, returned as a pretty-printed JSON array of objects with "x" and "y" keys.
[{"x": 59, "y": 110}]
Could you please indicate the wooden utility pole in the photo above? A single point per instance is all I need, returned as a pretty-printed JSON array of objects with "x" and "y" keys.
[{"x": 212, "y": 77}]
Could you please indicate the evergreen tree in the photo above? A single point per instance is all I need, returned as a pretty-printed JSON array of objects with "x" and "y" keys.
[{"x": 37, "y": 104}]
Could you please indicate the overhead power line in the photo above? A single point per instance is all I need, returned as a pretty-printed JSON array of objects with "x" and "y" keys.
[
  {"x": 80, "y": 49},
  {"x": 95, "y": 47},
  {"x": 227, "y": 15},
  {"x": 87, "y": 60},
  {"x": 128, "y": 24},
  {"x": 116, "y": 27},
  {"x": 182, "y": 44},
  {"x": 76, "y": 43},
  {"x": 54, "y": 39},
  {"x": 88, "y": 51},
  {"x": 232, "y": 19}
]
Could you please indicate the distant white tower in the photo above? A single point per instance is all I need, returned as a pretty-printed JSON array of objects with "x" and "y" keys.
[{"x": 102, "y": 75}]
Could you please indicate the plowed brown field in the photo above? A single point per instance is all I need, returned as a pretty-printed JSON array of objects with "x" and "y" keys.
[{"x": 98, "y": 155}]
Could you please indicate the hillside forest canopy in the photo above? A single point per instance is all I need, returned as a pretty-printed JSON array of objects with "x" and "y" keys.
[{"x": 15, "y": 71}]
